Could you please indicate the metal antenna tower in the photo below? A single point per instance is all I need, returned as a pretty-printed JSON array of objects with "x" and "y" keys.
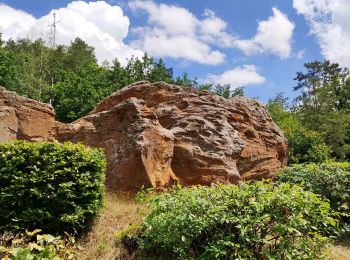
[
  {"x": 53, "y": 31},
  {"x": 52, "y": 43}
]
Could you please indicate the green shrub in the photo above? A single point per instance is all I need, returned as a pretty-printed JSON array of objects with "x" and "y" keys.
[
  {"x": 330, "y": 180},
  {"x": 49, "y": 185},
  {"x": 249, "y": 221},
  {"x": 306, "y": 146},
  {"x": 35, "y": 246}
]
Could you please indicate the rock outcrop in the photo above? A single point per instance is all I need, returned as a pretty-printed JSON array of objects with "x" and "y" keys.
[
  {"x": 24, "y": 118},
  {"x": 156, "y": 134}
]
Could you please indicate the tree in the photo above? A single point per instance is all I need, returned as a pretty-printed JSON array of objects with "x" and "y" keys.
[
  {"x": 118, "y": 76},
  {"x": 305, "y": 145},
  {"x": 80, "y": 91},
  {"x": 224, "y": 90},
  {"x": 238, "y": 92},
  {"x": 8, "y": 70},
  {"x": 79, "y": 54},
  {"x": 160, "y": 72},
  {"x": 1, "y": 40},
  {"x": 29, "y": 62},
  {"x": 323, "y": 105},
  {"x": 186, "y": 81}
]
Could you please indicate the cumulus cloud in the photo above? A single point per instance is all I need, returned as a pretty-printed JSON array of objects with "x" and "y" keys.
[
  {"x": 101, "y": 25},
  {"x": 175, "y": 32},
  {"x": 329, "y": 21},
  {"x": 273, "y": 35},
  {"x": 239, "y": 76},
  {"x": 170, "y": 31},
  {"x": 13, "y": 23}
]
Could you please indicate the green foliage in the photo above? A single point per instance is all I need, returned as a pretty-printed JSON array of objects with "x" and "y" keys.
[
  {"x": 324, "y": 104},
  {"x": 227, "y": 92},
  {"x": 79, "y": 92},
  {"x": 129, "y": 230},
  {"x": 330, "y": 180},
  {"x": 321, "y": 86},
  {"x": 147, "y": 69},
  {"x": 304, "y": 145},
  {"x": 8, "y": 71},
  {"x": 51, "y": 186},
  {"x": 185, "y": 80},
  {"x": 79, "y": 54},
  {"x": 223, "y": 90},
  {"x": 35, "y": 246},
  {"x": 31, "y": 63},
  {"x": 69, "y": 76},
  {"x": 249, "y": 221}
]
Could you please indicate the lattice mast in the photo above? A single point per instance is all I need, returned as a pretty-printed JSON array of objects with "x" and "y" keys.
[{"x": 52, "y": 42}]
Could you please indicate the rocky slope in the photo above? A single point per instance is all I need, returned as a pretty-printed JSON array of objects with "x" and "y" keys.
[{"x": 156, "y": 134}]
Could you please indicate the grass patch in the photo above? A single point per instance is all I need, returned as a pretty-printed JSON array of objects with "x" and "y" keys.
[
  {"x": 341, "y": 249},
  {"x": 120, "y": 212}
]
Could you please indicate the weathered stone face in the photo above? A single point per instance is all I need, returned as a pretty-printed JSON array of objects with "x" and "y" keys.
[
  {"x": 156, "y": 134},
  {"x": 24, "y": 118}
]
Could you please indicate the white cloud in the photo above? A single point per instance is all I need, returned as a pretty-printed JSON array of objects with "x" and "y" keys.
[
  {"x": 238, "y": 76},
  {"x": 99, "y": 24},
  {"x": 273, "y": 35},
  {"x": 329, "y": 21},
  {"x": 213, "y": 30},
  {"x": 171, "y": 31},
  {"x": 175, "y": 32},
  {"x": 13, "y": 23},
  {"x": 300, "y": 54}
]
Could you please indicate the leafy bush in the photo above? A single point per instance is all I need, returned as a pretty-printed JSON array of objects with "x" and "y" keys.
[
  {"x": 304, "y": 145},
  {"x": 32, "y": 245},
  {"x": 307, "y": 146},
  {"x": 249, "y": 221},
  {"x": 51, "y": 186},
  {"x": 330, "y": 180}
]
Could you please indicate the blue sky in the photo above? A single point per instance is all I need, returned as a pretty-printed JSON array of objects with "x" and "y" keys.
[{"x": 258, "y": 44}]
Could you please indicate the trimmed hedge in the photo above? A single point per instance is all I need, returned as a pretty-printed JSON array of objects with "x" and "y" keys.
[
  {"x": 249, "y": 221},
  {"x": 52, "y": 186},
  {"x": 330, "y": 180}
]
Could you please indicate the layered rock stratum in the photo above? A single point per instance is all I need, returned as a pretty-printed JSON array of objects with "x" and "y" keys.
[{"x": 156, "y": 134}]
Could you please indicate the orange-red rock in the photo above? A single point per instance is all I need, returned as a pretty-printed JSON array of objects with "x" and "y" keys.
[
  {"x": 156, "y": 134},
  {"x": 24, "y": 118}
]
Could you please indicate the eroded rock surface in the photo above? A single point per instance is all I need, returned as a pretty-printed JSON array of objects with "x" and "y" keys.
[
  {"x": 24, "y": 118},
  {"x": 156, "y": 134},
  {"x": 138, "y": 149}
]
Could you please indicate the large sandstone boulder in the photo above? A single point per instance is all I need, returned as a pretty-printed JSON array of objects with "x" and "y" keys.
[{"x": 156, "y": 134}]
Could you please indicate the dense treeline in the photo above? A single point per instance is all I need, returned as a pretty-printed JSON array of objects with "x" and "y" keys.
[
  {"x": 71, "y": 79},
  {"x": 69, "y": 76}
]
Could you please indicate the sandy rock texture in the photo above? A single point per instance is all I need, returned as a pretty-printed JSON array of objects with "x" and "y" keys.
[
  {"x": 24, "y": 118},
  {"x": 155, "y": 134}
]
